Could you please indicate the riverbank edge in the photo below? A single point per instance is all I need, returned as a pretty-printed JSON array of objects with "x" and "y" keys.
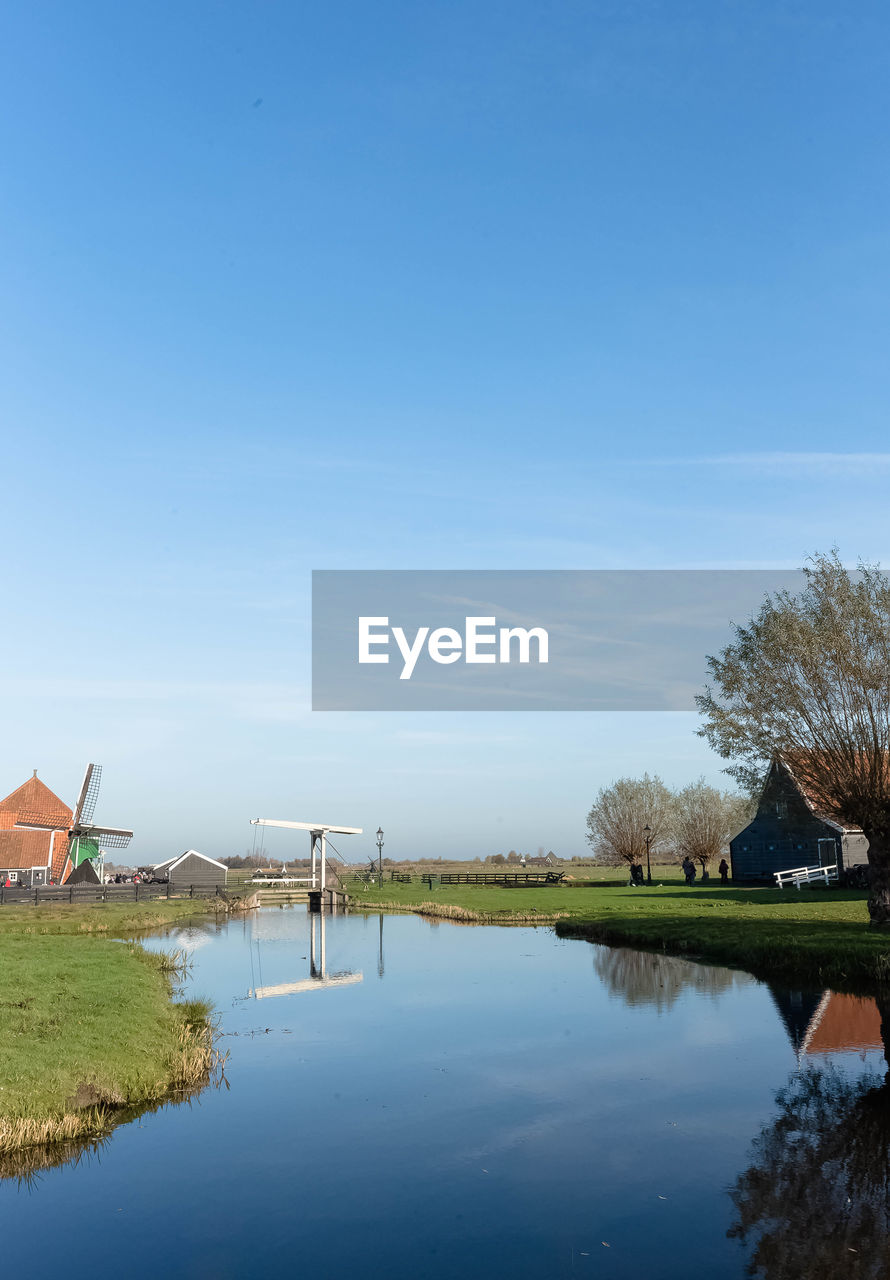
[
  {"x": 765, "y": 958},
  {"x": 451, "y": 911},
  {"x": 189, "y": 1050},
  {"x": 768, "y": 952}
]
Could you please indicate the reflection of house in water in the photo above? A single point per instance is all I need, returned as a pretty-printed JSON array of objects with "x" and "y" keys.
[
  {"x": 318, "y": 979},
  {"x": 826, "y": 1022}
]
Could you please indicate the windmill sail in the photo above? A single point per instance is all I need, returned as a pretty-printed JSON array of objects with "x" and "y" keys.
[
  {"x": 112, "y": 837},
  {"x": 89, "y": 794}
]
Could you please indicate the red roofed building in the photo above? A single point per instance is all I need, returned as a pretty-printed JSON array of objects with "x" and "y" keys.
[{"x": 35, "y": 857}]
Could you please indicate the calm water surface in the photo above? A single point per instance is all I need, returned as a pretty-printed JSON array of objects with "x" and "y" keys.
[{"x": 451, "y": 1101}]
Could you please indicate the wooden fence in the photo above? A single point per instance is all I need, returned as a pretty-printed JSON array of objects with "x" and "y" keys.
[
  {"x": 105, "y": 893},
  {"x": 509, "y": 879}
]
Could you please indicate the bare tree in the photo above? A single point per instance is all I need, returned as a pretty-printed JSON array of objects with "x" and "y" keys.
[
  {"x": 706, "y": 819},
  {"x": 808, "y": 679},
  {"x": 617, "y": 821}
]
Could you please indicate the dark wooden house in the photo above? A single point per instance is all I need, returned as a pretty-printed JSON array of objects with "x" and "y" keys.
[
  {"x": 192, "y": 869},
  {"x": 791, "y": 830}
]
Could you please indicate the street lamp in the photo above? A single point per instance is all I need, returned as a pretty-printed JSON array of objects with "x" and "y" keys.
[
  {"x": 380, "y": 852},
  {"x": 647, "y": 832}
]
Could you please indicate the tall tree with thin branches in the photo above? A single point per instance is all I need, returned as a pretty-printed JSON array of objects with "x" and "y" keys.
[
  {"x": 620, "y": 814},
  {"x": 706, "y": 819},
  {"x": 808, "y": 679}
]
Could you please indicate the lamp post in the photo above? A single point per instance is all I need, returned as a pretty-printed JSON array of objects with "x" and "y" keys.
[
  {"x": 380, "y": 853},
  {"x": 647, "y": 832}
]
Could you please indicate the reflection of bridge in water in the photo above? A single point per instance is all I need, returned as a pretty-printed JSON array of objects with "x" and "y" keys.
[{"x": 318, "y": 978}]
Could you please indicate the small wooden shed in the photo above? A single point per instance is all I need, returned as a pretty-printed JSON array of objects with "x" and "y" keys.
[{"x": 192, "y": 869}]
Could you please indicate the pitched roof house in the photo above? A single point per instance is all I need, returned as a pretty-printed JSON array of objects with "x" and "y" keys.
[
  {"x": 38, "y": 856},
  {"x": 792, "y": 829},
  {"x": 192, "y": 869}
]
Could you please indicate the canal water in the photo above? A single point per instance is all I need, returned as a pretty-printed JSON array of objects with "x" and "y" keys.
[{"x": 407, "y": 1098}]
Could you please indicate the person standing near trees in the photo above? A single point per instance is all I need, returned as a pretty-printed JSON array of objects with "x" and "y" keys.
[
  {"x": 688, "y": 869},
  {"x": 724, "y": 871}
]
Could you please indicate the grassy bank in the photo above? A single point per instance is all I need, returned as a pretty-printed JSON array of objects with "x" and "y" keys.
[
  {"x": 814, "y": 935},
  {"x": 87, "y": 1023}
]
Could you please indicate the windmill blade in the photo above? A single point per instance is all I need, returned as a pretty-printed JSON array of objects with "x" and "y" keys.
[
  {"x": 114, "y": 837},
  {"x": 32, "y": 821},
  {"x": 92, "y": 779},
  {"x": 89, "y": 790}
]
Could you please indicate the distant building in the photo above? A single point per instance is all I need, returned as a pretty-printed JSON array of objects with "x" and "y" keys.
[
  {"x": 791, "y": 829},
  {"x": 35, "y": 857},
  {"x": 192, "y": 869}
]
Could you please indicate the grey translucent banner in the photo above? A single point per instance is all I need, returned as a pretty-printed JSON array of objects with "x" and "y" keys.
[{"x": 510, "y": 640}]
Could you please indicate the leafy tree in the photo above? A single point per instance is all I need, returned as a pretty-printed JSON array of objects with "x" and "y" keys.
[
  {"x": 617, "y": 820},
  {"x": 706, "y": 819},
  {"x": 808, "y": 679}
]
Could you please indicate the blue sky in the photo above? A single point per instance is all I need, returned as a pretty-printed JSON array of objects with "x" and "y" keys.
[{"x": 448, "y": 286}]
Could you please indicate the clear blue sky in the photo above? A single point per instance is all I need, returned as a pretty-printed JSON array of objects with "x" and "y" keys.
[{"x": 488, "y": 285}]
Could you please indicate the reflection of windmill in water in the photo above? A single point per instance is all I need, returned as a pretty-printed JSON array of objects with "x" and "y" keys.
[
  {"x": 820, "y": 1023},
  {"x": 318, "y": 979},
  {"x": 83, "y": 861}
]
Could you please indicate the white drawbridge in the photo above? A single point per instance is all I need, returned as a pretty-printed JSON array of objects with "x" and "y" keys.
[{"x": 318, "y": 834}]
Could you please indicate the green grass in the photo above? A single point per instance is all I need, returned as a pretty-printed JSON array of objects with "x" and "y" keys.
[
  {"x": 814, "y": 935},
  {"x": 87, "y": 1023},
  {"x": 112, "y": 919}
]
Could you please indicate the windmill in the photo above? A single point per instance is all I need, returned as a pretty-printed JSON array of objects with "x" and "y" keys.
[{"x": 83, "y": 834}]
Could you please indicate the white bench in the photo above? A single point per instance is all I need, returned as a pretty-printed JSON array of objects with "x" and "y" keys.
[{"x": 805, "y": 875}]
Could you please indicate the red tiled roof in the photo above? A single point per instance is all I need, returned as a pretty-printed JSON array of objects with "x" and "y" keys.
[
  {"x": 29, "y": 849},
  {"x": 34, "y": 800},
  {"x": 796, "y": 767}
]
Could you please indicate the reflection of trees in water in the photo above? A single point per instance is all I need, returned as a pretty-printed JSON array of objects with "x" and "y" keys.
[
  {"x": 816, "y": 1200},
  {"x": 640, "y": 978}
]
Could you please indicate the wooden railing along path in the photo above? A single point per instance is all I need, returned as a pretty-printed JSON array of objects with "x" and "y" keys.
[{"x": 805, "y": 875}]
